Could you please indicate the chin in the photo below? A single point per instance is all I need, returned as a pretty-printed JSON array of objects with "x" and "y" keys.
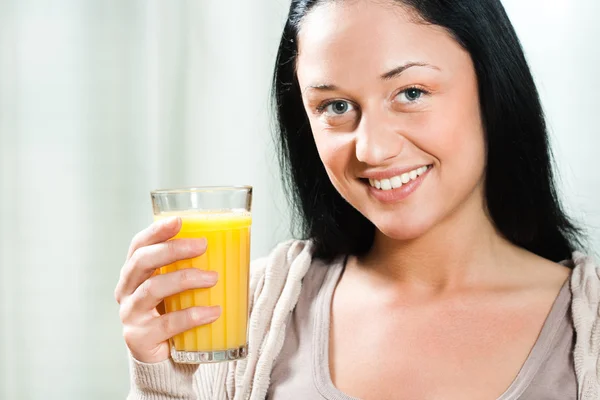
[{"x": 407, "y": 230}]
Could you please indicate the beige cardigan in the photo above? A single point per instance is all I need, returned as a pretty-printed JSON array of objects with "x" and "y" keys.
[{"x": 275, "y": 286}]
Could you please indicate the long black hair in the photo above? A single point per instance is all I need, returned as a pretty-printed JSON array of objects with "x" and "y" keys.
[{"x": 519, "y": 183}]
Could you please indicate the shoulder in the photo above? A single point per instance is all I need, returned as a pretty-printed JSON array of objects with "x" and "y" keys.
[
  {"x": 285, "y": 271},
  {"x": 585, "y": 279},
  {"x": 285, "y": 266},
  {"x": 585, "y": 290},
  {"x": 585, "y": 309},
  {"x": 280, "y": 260}
]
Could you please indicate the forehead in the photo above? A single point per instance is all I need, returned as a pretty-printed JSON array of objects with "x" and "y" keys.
[{"x": 339, "y": 38}]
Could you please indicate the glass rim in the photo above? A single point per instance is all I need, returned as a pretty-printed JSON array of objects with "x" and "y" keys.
[{"x": 202, "y": 189}]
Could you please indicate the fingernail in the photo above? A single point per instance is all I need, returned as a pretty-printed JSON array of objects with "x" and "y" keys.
[
  {"x": 197, "y": 245},
  {"x": 215, "y": 311},
  {"x": 212, "y": 276},
  {"x": 169, "y": 221}
]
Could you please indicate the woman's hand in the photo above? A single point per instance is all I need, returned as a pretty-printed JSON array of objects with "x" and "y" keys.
[{"x": 139, "y": 290}]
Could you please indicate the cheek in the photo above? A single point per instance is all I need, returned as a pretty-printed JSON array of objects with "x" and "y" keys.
[
  {"x": 461, "y": 152},
  {"x": 335, "y": 150},
  {"x": 454, "y": 136},
  {"x": 460, "y": 144}
]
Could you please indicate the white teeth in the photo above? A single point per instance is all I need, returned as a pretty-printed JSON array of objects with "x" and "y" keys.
[{"x": 397, "y": 181}]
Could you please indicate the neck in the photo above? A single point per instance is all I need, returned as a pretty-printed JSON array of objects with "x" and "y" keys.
[{"x": 460, "y": 251}]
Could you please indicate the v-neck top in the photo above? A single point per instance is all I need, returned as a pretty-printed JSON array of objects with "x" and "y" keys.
[{"x": 302, "y": 369}]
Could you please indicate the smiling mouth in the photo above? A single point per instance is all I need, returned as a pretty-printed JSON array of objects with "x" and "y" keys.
[{"x": 398, "y": 181}]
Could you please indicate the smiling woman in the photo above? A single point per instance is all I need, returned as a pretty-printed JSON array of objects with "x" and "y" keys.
[
  {"x": 437, "y": 260},
  {"x": 444, "y": 77},
  {"x": 411, "y": 103}
]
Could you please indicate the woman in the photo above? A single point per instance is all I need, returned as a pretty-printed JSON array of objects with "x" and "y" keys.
[{"x": 439, "y": 263}]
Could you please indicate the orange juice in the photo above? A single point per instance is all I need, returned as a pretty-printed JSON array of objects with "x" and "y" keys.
[{"x": 228, "y": 251}]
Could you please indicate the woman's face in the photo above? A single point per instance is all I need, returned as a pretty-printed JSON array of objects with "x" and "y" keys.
[{"x": 394, "y": 110}]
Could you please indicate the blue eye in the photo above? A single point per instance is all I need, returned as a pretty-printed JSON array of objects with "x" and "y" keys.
[
  {"x": 338, "y": 107},
  {"x": 410, "y": 95}
]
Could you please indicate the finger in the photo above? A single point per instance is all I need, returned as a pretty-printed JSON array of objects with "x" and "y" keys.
[
  {"x": 159, "y": 231},
  {"x": 168, "y": 325},
  {"x": 145, "y": 260},
  {"x": 150, "y": 293}
]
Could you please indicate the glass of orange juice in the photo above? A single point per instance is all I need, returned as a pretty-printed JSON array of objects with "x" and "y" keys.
[{"x": 222, "y": 215}]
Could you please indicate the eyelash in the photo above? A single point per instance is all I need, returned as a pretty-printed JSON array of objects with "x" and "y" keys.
[
  {"x": 419, "y": 88},
  {"x": 321, "y": 107}
]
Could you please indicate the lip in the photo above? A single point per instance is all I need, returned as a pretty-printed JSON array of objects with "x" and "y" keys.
[
  {"x": 390, "y": 173},
  {"x": 398, "y": 194}
]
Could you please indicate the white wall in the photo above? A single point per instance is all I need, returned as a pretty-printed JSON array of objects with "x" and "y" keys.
[
  {"x": 561, "y": 39},
  {"x": 101, "y": 101}
]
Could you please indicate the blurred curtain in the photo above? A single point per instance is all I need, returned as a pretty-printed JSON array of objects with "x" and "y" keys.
[{"x": 100, "y": 102}]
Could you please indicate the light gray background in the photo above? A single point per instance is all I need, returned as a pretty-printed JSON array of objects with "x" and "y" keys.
[{"x": 101, "y": 101}]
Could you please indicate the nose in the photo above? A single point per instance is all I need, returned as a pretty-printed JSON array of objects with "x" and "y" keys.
[{"x": 377, "y": 141}]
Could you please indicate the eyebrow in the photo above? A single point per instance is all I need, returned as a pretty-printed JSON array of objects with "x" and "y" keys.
[
  {"x": 323, "y": 88},
  {"x": 394, "y": 73},
  {"x": 399, "y": 70}
]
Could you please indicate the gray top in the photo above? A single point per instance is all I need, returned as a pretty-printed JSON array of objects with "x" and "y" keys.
[{"x": 302, "y": 369}]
